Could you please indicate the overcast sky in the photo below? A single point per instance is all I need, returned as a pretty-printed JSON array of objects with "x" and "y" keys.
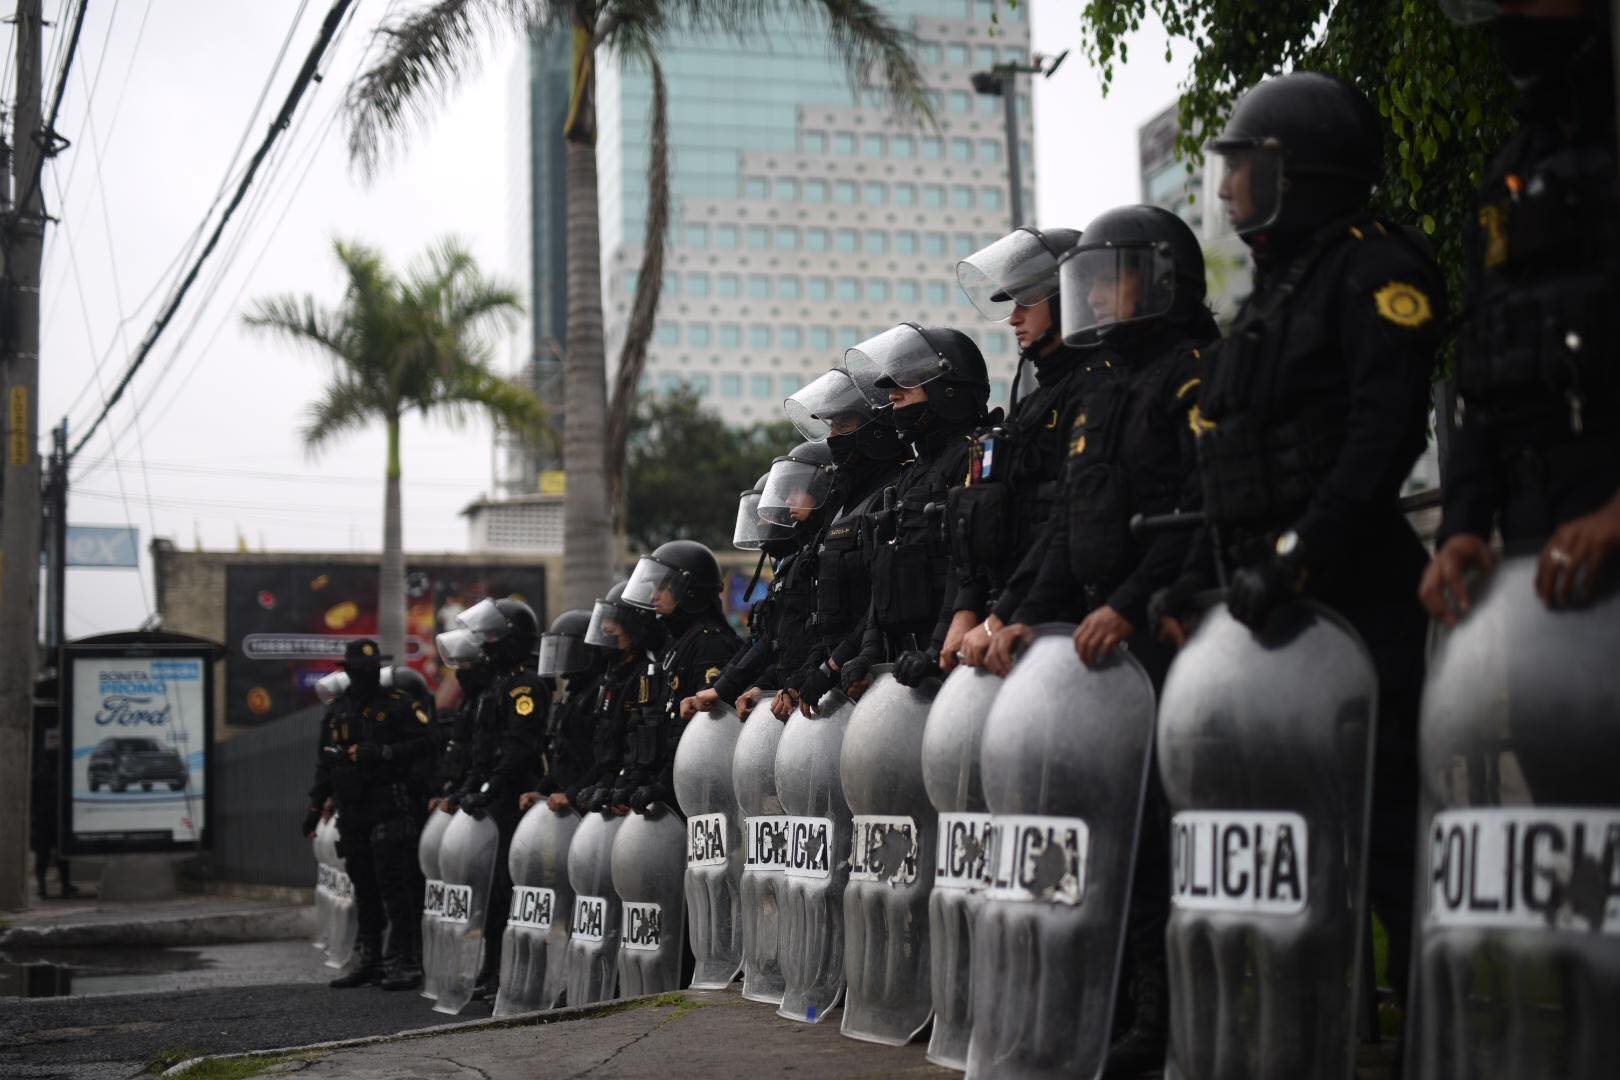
[{"x": 158, "y": 102}]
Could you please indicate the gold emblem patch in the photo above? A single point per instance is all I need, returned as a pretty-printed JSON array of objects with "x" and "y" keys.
[
  {"x": 525, "y": 705},
  {"x": 521, "y": 691},
  {"x": 1404, "y": 305},
  {"x": 421, "y": 716},
  {"x": 1196, "y": 421},
  {"x": 711, "y": 675}
]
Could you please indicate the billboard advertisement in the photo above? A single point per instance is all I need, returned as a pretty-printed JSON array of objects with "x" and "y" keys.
[
  {"x": 286, "y": 623},
  {"x": 136, "y": 743}
]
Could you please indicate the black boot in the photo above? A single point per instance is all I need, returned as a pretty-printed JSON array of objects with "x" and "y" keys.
[
  {"x": 404, "y": 970},
  {"x": 1140, "y": 1052},
  {"x": 488, "y": 985},
  {"x": 364, "y": 968}
]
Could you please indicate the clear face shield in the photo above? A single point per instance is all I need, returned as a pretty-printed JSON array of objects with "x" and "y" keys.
[
  {"x": 793, "y": 490},
  {"x": 485, "y": 621},
  {"x": 609, "y": 627},
  {"x": 562, "y": 654},
  {"x": 835, "y": 403},
  {"x": 458, "y": 648},
  {"x": 901, "y": 354},
  {"x": 1016, "y": 271},
  {"x": 651, "y": 581},
  {"x": 331, "y": 686},
  {"x": 751, "y": 531},
  {"x": 1105, "y": 287},
  {"x": 1249, "y": 182}
]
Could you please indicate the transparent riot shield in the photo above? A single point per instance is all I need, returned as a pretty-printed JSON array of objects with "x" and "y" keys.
[
  {"x": 706, "y": 790},
  {"x": 323, "y": 892},
  {"x": 345, "y": 926},
  {"x": 950, "y": 764},
  {"x": 428, "y": 846},
  {"x": 467, "y": 865},
  {"x": 591, "y": 972},
  {"x": 1517, "y": 963},
  {"x": 649, "y": 871},
  {"x": 1265, "y": 748},
  {"x": 1064, "y": 757},
  {"x": 764, "y": 826},
  {"x": 811, "y": 945},
  {"x": 536, "y": 939},
  {"x": 891, "y": 859}
]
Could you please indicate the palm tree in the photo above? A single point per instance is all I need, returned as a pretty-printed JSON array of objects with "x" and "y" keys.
[
  {"x": 421, "y": 343},
  {"x": 430, "y": 50}
]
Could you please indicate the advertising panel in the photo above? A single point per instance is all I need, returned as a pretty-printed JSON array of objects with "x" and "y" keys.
[{"x": 136, "y": 742}]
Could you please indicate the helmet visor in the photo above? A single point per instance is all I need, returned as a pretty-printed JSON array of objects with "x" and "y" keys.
[
  {"x": 458, "y": 648},
  {"x": 610, "y": 625},
  {"x": 330, "y": 687},
  {"x": 1249, "y": 183},
  {"x": 1105, "y": 287},
  {"x": 651, "y": 580},
  {"x": 1016, "y": 271},
  {"x": 836, "y": 403},
  {"x": 793, "y": 489},
  {"x": 563, "y": 654},
  {"x": 1470, "y": 12},
  {"x": 485, "y": 620},
  {"x": 900, "y": 356},
  {"x": 753, "y": 532}
]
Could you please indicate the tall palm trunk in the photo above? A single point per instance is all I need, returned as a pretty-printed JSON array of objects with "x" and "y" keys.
[
  {"x": 391, "y": 581},
  {"x": 587, "y": 532}
]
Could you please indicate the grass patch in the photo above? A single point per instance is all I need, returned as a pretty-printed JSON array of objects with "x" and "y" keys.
[
  {"x": 169, "y": 1057},
  {"x": 234, "y": 1068}
]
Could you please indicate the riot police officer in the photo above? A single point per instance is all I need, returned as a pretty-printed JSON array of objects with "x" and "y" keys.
[
  {"x": 505, "y": 752},
  {"x": 570, "y": 727},
  {"x": 1535, "y": 448},
  {"x": 996, "y": 516},
  {"x": 370, "y": 739},
  {"x": 937, "y": 387},
  {"x": 1312, "y": 411},
  {"x": 459, "y": 653},
  {"x": 627, "y": 637},
  {"x": 680, "y": 583},
  {"x": 866, "y": 450}
]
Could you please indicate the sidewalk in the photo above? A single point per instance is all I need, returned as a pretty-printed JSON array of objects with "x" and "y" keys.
[{"x": 184, "y": 920}]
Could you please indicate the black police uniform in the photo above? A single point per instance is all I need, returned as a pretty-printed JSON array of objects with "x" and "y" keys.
[
  {"x": 780, "y": 636},
  {"x": 570, "y": 734},
  {"x": 453, "y": 733},
  {"x": 378, "y": 825},
  {"x": 1536, "y": 441},
  {"x": 626, "y": 687},
  {"x": 1312, "y": 412}
]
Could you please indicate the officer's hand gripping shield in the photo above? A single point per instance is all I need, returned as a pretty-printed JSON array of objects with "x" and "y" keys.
[
  {"x": 950, "y": 764},
  {"x": 649, "y": 865},
  {"x": 593, "y": 934},
  {"x": 428, "y": 846},
  {"x": 536, "y": 940},
  {"x": 706, "y": 791},
  {"x": 1517, "y": 965},
  {"x": 467, "y": 864},
  {"x": 345, "y": 917},
  {"x": 893, "y": 826},
  {"x": 765, "y": 848},
  {"x": 1265, "y": 748},
  {"x": 1064, "y": 757},
  {"x": 817, "y": 867}
]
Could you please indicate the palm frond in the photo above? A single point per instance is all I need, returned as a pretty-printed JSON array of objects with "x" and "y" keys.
[
  {"x": 347, "y": 406},
  {"x": 301, "y": 319},
  {"x": 509, "y": 403}
]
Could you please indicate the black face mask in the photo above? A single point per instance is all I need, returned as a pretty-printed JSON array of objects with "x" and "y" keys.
[
  {"x": 912, "y": 419},
  {"x": 364, "y": 681},
  {"x": 1535, "y": 50},
  {"x": 844, "y": 448}
]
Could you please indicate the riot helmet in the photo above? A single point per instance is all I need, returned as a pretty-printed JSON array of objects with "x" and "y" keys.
[
  {"x": 331, "y": 686},
  {"x": 1298, "y": 151},
  {"x": 679, "y": 575},
  {"x": 615, "y": 624},
  {"x": 458, "y": 648},
  {"x": 752, "y": 532},
  {"x": 411, "y": 681},
  {"x": 842, "y": 407},
  {"x": 1137, "y": 265},
  {"x": 563, "y": 650},
  {"x": 1019, "y": 270},
  {"x": 507, "y": 629},
  {"x": 943, "y": 361},
  {"x": 799, "y": 483},
  {"x": 1542, "y": 43}
]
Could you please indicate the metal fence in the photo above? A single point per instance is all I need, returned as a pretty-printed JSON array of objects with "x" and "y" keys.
[{"x": 260, "y": 777}]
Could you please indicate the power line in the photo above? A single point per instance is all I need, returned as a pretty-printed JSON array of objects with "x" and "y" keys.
[
  {"x": 46, "y": 136},
  {"x": 329, "y": 27}
]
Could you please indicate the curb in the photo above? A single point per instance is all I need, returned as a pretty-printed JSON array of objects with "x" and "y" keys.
[
  {"x": 217, "y": 929},
  {"x": 494, "y": 1023}
]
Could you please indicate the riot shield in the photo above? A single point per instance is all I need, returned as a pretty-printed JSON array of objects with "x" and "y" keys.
[
  {"x": 753, "y": 769},
  {"x": 1517, "y": 965},
  {"x": 536, "y": 938},
  {"x": 467, "y": 865},
  {"x": 950, "y": 764},
  {"x": 649, "y": 864},
  {"x": 323, "y": 890},
  {"x": 1265, "y": 748},
  {"x": 891, "y": 859},
  {"x": 344, "y": 915},
  {"x": 811, "y": 914},
  {"x": 593, "y": 931},
  {"x": 714, "y": 853},
  {"x": 1064, "y": 757},
  {"x": 428, "y": 846}
]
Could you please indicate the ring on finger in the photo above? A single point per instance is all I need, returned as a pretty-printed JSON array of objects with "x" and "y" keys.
[{"x": 1559, "y": 556}]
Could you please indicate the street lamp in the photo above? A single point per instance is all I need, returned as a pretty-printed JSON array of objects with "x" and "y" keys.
[{"x": 1001, "y": 81}]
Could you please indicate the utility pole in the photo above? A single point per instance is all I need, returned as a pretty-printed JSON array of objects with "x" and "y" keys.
[
  {"x": 22, "y": 231},
  {"x": 1002, "y": 81}
]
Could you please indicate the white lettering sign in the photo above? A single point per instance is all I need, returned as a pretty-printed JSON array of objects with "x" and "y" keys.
[
  {"x": 590, "y": 918},
  {"x": 706, "y": 840},
  {"x": 884, "y": 849},
  {"x": 643, "y": 927},
  {"x": 809, "y": 847},
  {"x": 1034, "y": 857},
  {"x": 532, "y": 907},
  {"x": 457, "y": 903},
  {"x": 766, "y": 843},
  {"x": 1234, "y": 860},
  {"x": 964, "y": 841},
  {"x": 1527, "y": 867}
]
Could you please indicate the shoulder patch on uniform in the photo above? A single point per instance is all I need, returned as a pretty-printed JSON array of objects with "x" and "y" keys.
[
  {"x": 525, "y": 705},
  {"x": 1187, "y": 387},
  {"x": 520, "y": 691},
  {"x": 1404, "y": 305},
  {"x": 711, "y": 674},
  {"x": 1196, "y": 421}
]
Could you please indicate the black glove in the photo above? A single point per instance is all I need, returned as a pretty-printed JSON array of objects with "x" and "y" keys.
[
  {"x": 857, "y": 670},
  {"x": 311, "y": 819},
  {"x": 815, "y": 686},
  {"x": 915, "y": 665},
  {"x": 1257, "y": 591},
  {"x": 620, "y": 795},
  {"x": 369, "y": 754},
  {"x": 1171, "y": 602},
  {"x": 476, "y": 804},
  {"x": 644, "y": 796}
]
